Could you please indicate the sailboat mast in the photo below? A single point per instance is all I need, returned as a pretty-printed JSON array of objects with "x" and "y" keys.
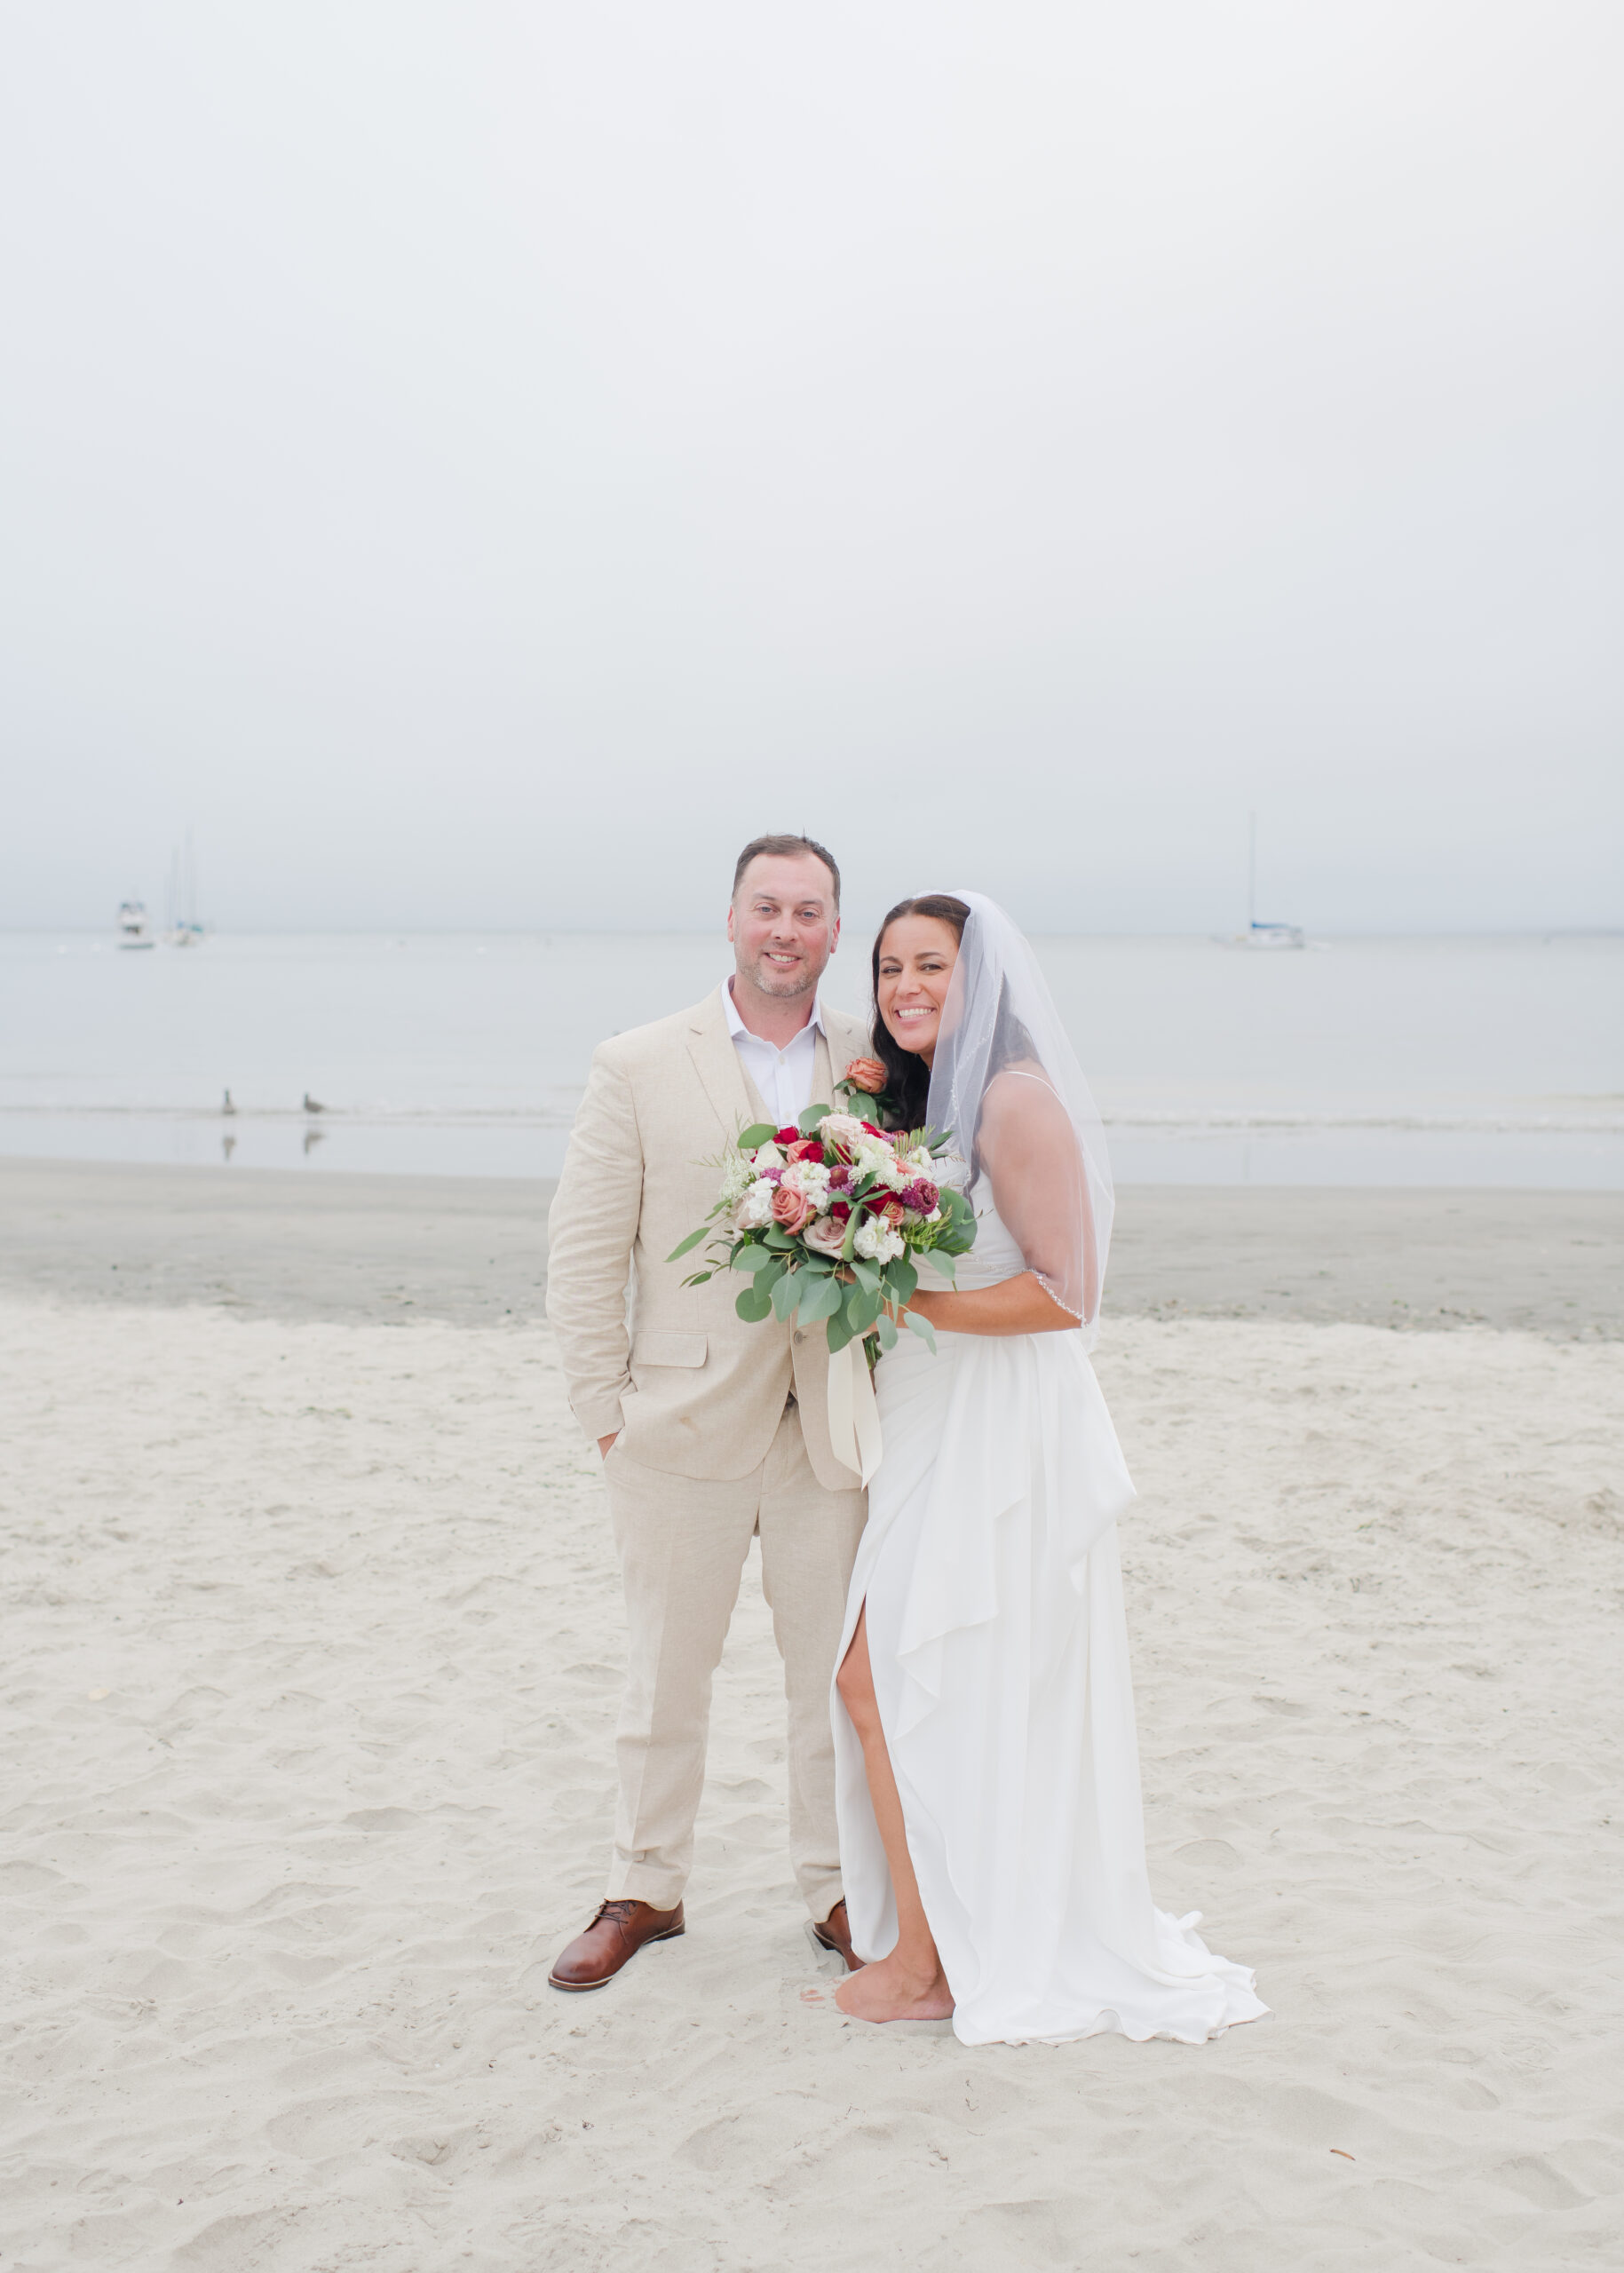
[{"x": 1251, "y": 871}]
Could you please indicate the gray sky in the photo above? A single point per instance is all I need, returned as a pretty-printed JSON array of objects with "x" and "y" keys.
[{"x": 477, "y": 462}]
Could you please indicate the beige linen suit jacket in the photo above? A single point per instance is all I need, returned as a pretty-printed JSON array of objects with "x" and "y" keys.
[{"x": 697, "y": 1391}]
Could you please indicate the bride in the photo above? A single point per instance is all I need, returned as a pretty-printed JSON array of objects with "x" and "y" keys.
[{"x": 991, "y": 1835}]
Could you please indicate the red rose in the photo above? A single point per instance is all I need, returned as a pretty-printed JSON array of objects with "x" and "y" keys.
[
  {"x": 808, "y": 1148},
  {"x": 840, "y": 1211},
  {"x": 886, "y": 1205},
  {"x": 787, "y": 1137}
]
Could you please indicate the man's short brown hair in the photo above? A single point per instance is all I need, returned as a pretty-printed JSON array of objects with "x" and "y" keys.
[{"x": 785, "y": 848}]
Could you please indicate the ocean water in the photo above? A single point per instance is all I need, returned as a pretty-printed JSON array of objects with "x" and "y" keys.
[{"x": 1486, "y": 1062}]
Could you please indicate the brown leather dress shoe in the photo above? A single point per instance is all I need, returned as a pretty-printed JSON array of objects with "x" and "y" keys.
[
  {"x": 617, "y": 1933},
  {"x": 835, "y": 1934}
]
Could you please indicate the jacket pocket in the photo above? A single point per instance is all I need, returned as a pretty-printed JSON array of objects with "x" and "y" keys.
[{"x": 655, "y": 1348}]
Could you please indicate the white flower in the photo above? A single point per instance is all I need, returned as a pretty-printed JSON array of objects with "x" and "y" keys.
[
  {"x": 811, "y": 1178},
  {"x": 844, "y": 1130},
  {"x": 737, "y": 1177},
  {"x": 872, "y": 1158},
  {"x": 876, "y": 1243},
  {"x": 755, "y": 1211},
  {"x": 767, "y": 1156}
]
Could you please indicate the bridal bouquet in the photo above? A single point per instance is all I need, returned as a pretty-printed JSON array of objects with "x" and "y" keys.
[{"x": 827, "y": 1218}]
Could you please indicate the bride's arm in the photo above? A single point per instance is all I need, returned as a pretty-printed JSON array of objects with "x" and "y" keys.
[
  {"x": 1028, "y": 1152},
  {"x": 1022, "y": 1305}
]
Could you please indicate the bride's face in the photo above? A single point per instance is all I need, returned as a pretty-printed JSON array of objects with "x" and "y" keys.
[{"x": 917, "y": 960}]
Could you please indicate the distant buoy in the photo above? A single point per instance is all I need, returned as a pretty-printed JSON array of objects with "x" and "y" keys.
[{"x": 226, "y": 1106}]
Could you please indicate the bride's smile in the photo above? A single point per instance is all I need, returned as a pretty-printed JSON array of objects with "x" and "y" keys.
[{"x": 915, "y": 971}]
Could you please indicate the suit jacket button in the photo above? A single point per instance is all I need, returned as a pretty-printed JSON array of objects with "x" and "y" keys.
[{"x": 799, "y": 1336}]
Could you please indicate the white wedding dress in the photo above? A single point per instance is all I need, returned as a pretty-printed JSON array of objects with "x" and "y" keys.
[{"x": 999, "y": 1649}]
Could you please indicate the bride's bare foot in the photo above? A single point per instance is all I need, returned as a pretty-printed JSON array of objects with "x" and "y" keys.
[{"x": 888, "y": 1992}]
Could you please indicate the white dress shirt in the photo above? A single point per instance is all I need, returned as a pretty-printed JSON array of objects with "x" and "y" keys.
[{"x": 784, "y": 1077}]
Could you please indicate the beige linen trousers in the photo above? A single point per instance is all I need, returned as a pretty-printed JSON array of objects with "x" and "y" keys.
[{"x": 722, "y": 1437}]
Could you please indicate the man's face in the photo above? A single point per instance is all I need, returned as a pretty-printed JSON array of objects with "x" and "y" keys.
[{"x": 784, "y": 924}]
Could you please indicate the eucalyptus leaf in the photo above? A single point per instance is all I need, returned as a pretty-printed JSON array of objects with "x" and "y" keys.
[
  {"x": 779, "y": 1239},
  {"x": 946, "y": 1264},
  {"x": 692, "y": 1240},
  {"x": 888, "y": 1334},
  {"x": 862, "y": 1308},
  {"x": 921, "y": 1326},
  {"x": 866, "y": 1273},
  {"x": 808, "y": 1121},
  {"x": 759, "y": 1132},
  {"x": 698, "y": 1278},
  {"x": 751, "y": 1257},
  {"x": 786, "y": 1294},
  {"x": 753, "y": 1304},
  {"x": 839, "y": 1333},
  {"x": 902, "y": 1278},
  {"x": 820, "y": 1299}
]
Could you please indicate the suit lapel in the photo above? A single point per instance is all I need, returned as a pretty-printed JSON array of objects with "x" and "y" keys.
[{"x": 719, "y": 1068}]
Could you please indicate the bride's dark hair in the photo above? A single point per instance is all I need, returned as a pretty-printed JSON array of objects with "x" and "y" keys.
[{"x": 908, "y": 1077}]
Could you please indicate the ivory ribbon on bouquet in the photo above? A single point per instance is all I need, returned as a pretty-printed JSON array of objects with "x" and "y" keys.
[{"x": 854, "y": 1417}]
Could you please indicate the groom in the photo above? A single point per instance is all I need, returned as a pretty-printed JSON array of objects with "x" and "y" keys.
[{"x": 713, "y": 1431}]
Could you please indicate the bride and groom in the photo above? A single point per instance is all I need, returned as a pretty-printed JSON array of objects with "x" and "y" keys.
[{"x": 964, "y": 1812}]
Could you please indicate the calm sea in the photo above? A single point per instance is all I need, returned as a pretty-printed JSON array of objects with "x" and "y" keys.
[{"x": 1493, "y": 1062}]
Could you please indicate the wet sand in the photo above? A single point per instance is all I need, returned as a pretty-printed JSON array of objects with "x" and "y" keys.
[{"x": 471, "y": 1250}]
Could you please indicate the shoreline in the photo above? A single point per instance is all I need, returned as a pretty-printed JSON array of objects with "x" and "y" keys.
[{"x": 473, "y": 1250}]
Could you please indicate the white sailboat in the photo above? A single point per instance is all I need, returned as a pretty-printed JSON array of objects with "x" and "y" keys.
[
  {"x": 1264, "y": 935},
  {"x": 183, "y": 929},
  {"x": 134, "y": 929}
]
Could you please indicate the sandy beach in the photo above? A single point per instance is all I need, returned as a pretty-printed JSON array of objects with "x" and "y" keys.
[{"x": 313, "y": 1651}]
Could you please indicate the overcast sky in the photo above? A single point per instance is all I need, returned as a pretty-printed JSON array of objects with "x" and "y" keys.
[{"x": 475, "y": 464}]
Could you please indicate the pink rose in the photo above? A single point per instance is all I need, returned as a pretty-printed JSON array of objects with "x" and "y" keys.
[
  {"x": 790, "y": 1209},
  {"x": 824, "y": 1235},
  {"x": 866, "y": 1073}
]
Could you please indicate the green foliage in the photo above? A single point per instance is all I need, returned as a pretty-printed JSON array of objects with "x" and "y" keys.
[
  {"x": 902, "y": 1279},
  {"x": 808, "y": 1121},
  {"x": 692, "y": 1241},
  {"x": 820, "y": 1299},
  {"x": 888, "y": 1334},
  {"x": 754, "y": 1303},
  {"x": 838, "y": 1330},
  {"x": 751, "y": 1257},
  {"x": 759, "y": 1132},
  {"x": 786, "y": 1294},
  {"x": 866, "y": 1273},
  {"x": 921, "y": 1326}
]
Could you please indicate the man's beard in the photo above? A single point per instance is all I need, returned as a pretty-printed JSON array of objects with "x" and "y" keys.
[{"x": 781, "y": 985}]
